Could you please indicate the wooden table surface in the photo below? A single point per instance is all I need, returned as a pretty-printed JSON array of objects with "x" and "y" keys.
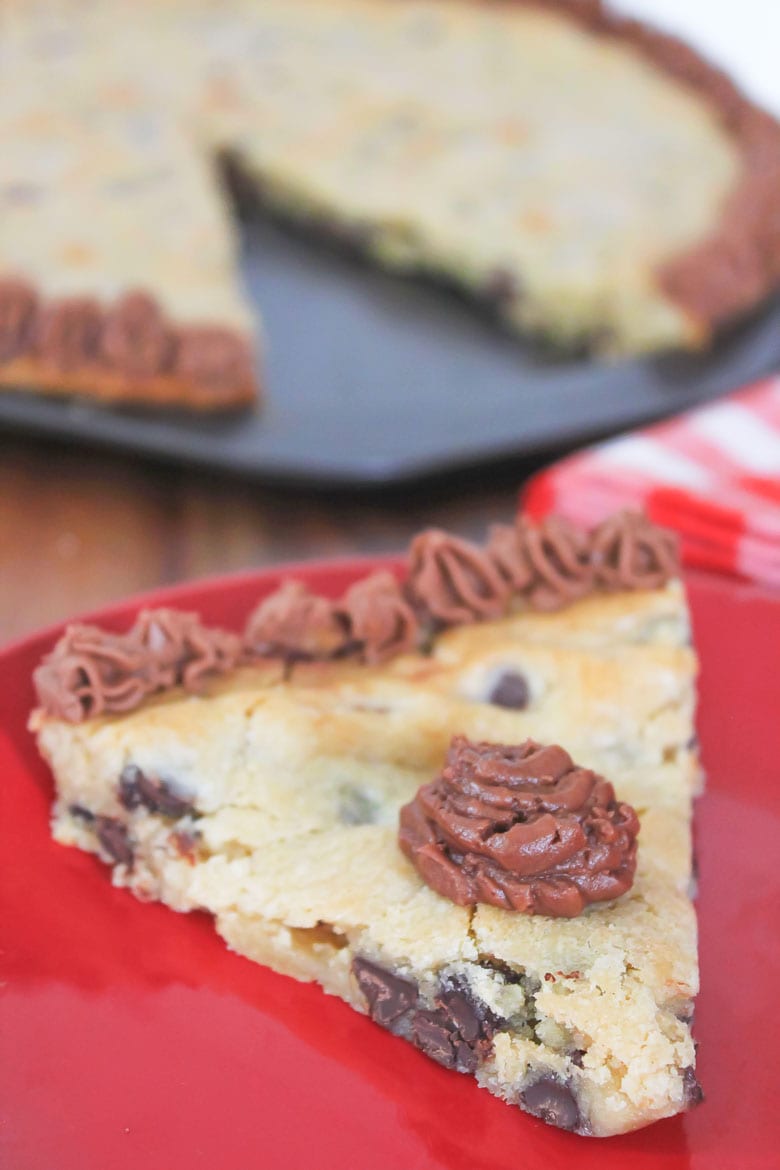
[{"x": 79, "y": 529}]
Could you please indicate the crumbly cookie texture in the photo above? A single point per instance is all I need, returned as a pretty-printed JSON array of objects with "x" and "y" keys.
[
  {"x": 596, "y": 182},
  {"x": 272, "y": 801}
]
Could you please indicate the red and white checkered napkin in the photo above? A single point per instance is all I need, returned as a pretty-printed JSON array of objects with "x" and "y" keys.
[{"x": 712, "y": 474}]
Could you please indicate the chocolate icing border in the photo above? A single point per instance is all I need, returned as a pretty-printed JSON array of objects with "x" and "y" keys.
[
  {"x": 102, "y": 377},
  {"x": 719, "y": 278},
  {"x": 638, "y": 554}
]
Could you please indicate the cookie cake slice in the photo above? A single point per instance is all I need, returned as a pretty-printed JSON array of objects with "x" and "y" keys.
[{"x": 459, "y": 798}]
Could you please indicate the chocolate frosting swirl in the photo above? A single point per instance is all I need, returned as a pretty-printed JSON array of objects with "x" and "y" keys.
[
  {"x": 559, "y": 555},
  {"x": 91, "y": 672},
  {"x": 522, "y": 828},
  {"x": 218, "y": 358},
  {"x": 380, "y": 620},
  {"x": 135, "y": 337},
  {"x": 67, "y": 332},
  {"x": 184, "y": 651},
  {"x": 628, "y": 552},
  {"x": 454, "y": 581},
  {"x": 18, "y": 305},
  {"x": 508, "y": 550},
  {"x": 294, "y": 623}
]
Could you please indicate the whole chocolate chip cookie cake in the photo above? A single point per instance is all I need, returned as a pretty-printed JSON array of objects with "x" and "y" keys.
[
  {"x": 597, "y": 182},
  {"x": 459, "y": 797}
]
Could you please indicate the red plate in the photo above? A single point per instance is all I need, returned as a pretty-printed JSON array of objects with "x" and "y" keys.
[{"x": 134, "y": 1040}]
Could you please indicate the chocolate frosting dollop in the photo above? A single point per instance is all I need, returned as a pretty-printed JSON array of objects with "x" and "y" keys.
[
  {"x": 183, "y": 650},
  {"x": 508, "y": 550},
  {"x": 520, "y": 827},
  {"x": 215, "y": 357},
  {"x": 135, "y": 337},
  {"x": 453, "y": 581},
  {"x": 18, "y": 305},
  {"x": 628, "y": 552},
  {"x": 295, "y": 623},
  {"x": 559, "y": 555},
  {"x": 93, "y": 672},
  {"x": 67, "y": 332},
  {"x": 381, "y": 622}
]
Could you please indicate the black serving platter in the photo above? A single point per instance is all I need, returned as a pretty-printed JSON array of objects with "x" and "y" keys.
[{"x": 379, "y": 380}]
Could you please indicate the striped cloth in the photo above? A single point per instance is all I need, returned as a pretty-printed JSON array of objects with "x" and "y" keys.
[{"x": 712, "y": 474}]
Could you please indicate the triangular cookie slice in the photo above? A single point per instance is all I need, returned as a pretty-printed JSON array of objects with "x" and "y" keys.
[{"x": 261, "y": 778}]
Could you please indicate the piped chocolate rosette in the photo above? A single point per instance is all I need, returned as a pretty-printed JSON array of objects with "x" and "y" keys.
[
  {"x": 94, "y": 672},
  {"x": 522, "y": 828},
  {"x": 449, "y": 581}
]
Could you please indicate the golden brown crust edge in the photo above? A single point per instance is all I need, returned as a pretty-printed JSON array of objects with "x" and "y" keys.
[{"x": 106, "y": 386}]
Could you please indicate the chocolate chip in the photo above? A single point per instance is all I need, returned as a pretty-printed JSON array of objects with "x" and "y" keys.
[
  {"x": 115, "y": 839},
  {"x": 458, "y": 1032},
  {"x": 83, "y": 814},
  {"x": 137, "y": 790},
  {"x": 130, "y": 796},
  {"x": 432, "y": 1035},
  {"x": 693, "y": 1093},
  {"x": 511, "y": 691},
  {"x": 462, "y": 1014},
  {"x": 473, "y": 1019},
  {"x": 553, "y": 1102},
  {"x": 389, "y": 996},
  {"x": 467, "y": 1057}
]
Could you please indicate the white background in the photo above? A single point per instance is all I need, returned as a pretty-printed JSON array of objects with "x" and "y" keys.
[{"x": 741, "y": 36}]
